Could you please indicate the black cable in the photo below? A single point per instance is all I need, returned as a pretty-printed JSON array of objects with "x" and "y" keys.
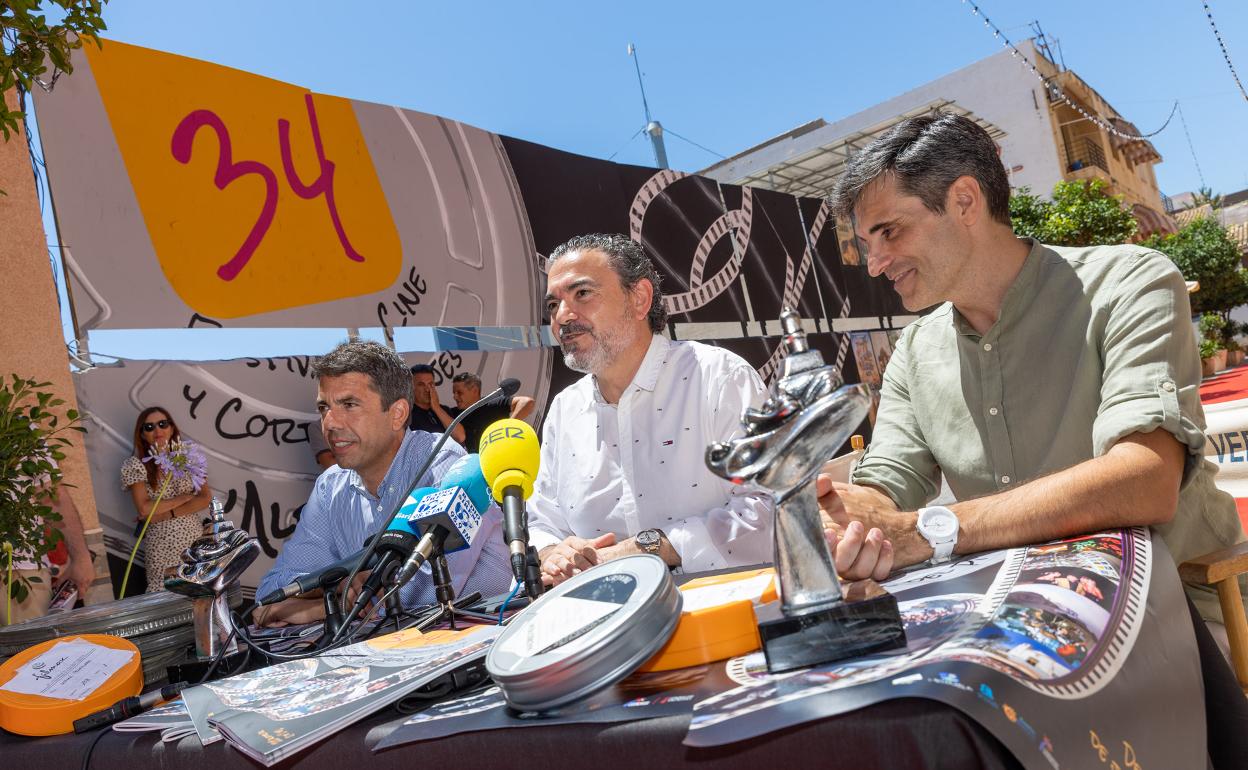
[
  {"x": 1054, "y": 89},
  {"x": 1222, "y": 45},
  {"x": 220, "y": 656},
  {"x": 86, "y": 759},
  {"x": 721, "y": 156},
  {"x": 280, "y": 657}
]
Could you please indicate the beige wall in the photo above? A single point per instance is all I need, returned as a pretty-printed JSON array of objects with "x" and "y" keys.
[
  {"x": 1135, "y": 182},
  {"x": 31, "y": 343}
]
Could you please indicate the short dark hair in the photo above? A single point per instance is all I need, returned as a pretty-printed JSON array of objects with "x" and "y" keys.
[
  {"x": 422, "y": 369},
  {"x": 629, "y": 261},
  {"x": 387, "y": 372},
  {"x": 927, "y": 154},
  {"x": 468, "y": 377}
]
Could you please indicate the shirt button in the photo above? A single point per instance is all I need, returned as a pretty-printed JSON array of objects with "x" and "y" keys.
[
  {"x": 1167, "y": 386},
  {"x": 987, "y": 346},
  {"x": 993, "y": 411},
  {"x": 1005, "y": 479}
]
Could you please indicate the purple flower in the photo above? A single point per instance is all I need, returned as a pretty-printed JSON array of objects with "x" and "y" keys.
[{"x": 182, "y": 459}]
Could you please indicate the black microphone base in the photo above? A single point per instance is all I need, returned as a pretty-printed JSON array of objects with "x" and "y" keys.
[
  {"x": 532, "y": 574},
  {"x": 194, "y": 670}
]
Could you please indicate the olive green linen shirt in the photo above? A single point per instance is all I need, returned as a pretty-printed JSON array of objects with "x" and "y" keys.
[{"x": 1092, "y": 345}]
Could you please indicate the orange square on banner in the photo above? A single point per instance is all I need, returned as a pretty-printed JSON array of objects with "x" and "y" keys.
[{"x": 257, "y": 195}]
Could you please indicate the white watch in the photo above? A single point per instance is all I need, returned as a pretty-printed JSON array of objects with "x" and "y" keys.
[{"x": 939, "y": 526}]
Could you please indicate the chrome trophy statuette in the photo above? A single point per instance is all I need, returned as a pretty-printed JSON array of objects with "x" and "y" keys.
[
  {"x": 210, "y": 566},
  {"x": 809, "y": 414}
]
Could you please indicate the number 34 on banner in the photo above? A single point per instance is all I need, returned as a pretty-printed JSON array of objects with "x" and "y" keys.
[{"x": 257, "y": 195}]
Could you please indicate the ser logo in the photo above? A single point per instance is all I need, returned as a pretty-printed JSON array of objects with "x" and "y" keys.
[{"x": 501, "y": 434}]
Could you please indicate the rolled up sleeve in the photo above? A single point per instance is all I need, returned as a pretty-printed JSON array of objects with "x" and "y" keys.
[
  {"x": 1151, "y": 365},
  {"x": 899, "y": 461}
]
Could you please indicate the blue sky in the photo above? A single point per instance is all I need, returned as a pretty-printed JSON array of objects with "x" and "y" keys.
[{"x": 725, "y": 75}]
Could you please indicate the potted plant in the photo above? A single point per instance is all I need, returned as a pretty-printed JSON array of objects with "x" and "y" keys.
[
  {"x": 1208, "y": 360},
  {"x": 1211, "y": 329},
  {"x": 1234, "y": 353},
  {"x": 32, "y": 443}
]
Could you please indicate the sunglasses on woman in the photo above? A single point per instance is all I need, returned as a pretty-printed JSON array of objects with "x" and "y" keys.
[{"x": 148, "y": 427}]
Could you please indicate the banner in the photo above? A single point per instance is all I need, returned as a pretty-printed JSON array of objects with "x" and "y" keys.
[
  {"x": 253, "y": 419},
  {"x": 1225, "y": 400},
  {"x": 193, "y": 195}
]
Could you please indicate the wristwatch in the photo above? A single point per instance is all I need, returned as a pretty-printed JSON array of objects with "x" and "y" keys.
[
  {"x": 939, "y": 526},
  {"x": 649, "y": 540}
]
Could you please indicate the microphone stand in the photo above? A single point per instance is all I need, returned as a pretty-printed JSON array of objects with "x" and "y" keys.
[
  {"x": 507, "y": 387},
  {"x": 533, "y": 586}
]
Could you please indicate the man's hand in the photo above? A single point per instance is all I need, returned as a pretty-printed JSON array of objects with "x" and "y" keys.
[
  {"x": 290, "y": 612},
  {"x": 859, "y": 553},
  {"x": 574, "y": 555},
  {"x": 866, "y": 531},
  {"x": 308, "y": 608},
  {"x": 82, "y": 572}
]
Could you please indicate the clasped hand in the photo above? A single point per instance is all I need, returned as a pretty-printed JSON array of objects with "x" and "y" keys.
[{"x": 858, "y": 540}]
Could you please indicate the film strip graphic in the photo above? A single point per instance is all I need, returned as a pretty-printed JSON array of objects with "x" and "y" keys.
[
  {"x": 737, "y": 224},
  {"x": 1109, "y": 653}
]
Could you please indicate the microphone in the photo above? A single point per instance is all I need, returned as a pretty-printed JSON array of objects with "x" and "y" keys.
[
  {"x": 510, "y": 455},
  {"x": 507, "y": 387},
  {"x": 396, "y": 543},
  {"x": 447, "y": 519},
  {"x": 322, "y": 578}
]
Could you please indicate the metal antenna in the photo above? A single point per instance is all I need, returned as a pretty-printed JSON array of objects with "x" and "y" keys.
[{"x": 653, "y": 129}]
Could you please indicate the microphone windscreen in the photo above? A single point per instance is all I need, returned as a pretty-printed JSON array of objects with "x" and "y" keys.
[
  {"x": 510, "y": 455},
  {"x": 453, "y": 510},
  {"x": 510, "y": 386},
  {"x": 402, "y": 520},
  {"x": 466, "y": 474}
]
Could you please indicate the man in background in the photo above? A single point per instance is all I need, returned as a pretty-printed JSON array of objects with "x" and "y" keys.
[
  {"x": 428, "y": 414},
  {"x": 466, "y": 389},
  {"x": 80, "y": 570}
]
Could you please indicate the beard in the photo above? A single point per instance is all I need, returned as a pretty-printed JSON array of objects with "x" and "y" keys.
[{"x": 605, "y": 346}]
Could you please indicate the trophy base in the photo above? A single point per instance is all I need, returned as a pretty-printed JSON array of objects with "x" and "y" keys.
[{"x": 866, "y": 620}]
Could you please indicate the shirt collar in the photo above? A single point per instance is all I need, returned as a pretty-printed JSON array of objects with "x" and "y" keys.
[
  {"x": 1016, "y": 297},
  {"x": 647, "y": 375}
]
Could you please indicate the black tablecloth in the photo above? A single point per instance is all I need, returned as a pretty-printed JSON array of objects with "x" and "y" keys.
[{"x": 907, "y": 733}]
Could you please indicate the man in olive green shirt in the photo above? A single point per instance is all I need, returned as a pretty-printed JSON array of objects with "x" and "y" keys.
[{"x": 1056, "y": 389}]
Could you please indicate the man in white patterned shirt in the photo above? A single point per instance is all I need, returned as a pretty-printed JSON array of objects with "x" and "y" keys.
[{"x": 623, "y": 469}]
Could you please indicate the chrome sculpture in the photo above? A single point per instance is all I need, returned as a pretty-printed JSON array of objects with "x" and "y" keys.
[
  {"x": 809, "y": 414},
  {"x": 210, "y": 566}
]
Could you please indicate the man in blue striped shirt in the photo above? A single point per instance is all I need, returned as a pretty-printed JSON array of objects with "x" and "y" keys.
[{"x": 364, "y": 398}]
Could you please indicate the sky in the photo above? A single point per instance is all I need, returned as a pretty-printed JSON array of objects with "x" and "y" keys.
[{"x": 720, "y": 76}]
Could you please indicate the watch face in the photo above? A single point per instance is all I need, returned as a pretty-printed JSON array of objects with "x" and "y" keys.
[
  {"x": 939, "y": 524},
  {"x": 648, "y": 538}
]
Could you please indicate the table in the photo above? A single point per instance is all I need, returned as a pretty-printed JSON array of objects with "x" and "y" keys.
[{"x": 904, "y": 733}]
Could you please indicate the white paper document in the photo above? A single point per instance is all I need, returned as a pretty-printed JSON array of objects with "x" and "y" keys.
[
  {"x": 723, "y": 593},
  {"x": 69, "y": 671}
]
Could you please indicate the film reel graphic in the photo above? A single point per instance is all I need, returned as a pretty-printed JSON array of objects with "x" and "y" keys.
[{"x": 735, "y": 223}]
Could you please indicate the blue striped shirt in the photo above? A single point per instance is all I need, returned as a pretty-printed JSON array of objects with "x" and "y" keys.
[{"x": 341, "y": 514}]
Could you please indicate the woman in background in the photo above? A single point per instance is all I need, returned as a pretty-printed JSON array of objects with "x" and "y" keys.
[{"x": 176, "y": 523}]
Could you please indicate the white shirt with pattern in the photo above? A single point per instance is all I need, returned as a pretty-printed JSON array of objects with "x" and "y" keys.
[{"x": 640, "y": 464}]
